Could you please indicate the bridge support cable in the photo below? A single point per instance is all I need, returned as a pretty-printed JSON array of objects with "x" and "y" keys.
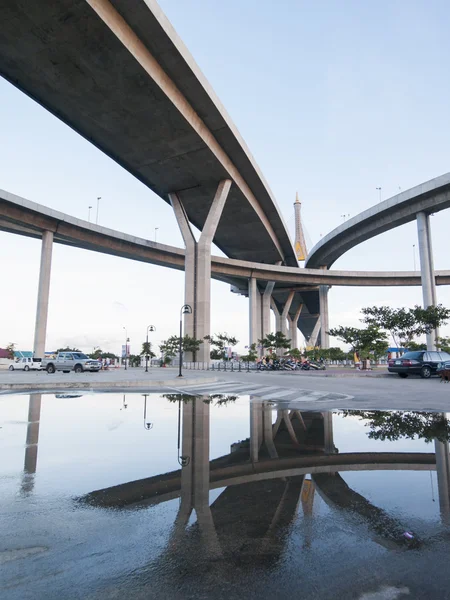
[
  {"x": 198, "y": 266},
  {"x": 427, "y": 269},
  {"x": 40, "y": 331}
]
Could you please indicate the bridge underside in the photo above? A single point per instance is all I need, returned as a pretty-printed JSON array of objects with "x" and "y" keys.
[{"x": 63, "y": 55}]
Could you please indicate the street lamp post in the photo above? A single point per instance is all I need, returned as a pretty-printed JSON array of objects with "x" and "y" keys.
[
  {"x": 156, "y": 229},
  {"x": 379, "y": 193},
  {"x": 127, "y": 339},
  {"x": 149, "y": 328},
  {"x": 186, "y": 309},
  {"x": 89, "y": 214},
  {"x": 98, "y": 202}
]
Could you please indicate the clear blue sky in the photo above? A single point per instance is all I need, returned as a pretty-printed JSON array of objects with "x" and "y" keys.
[{"x": 333, "y": 99}]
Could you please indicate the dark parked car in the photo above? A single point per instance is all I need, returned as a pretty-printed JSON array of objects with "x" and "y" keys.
[{"x": 421, "y": 363}]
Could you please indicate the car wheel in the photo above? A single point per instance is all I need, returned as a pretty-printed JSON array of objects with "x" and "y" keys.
[
  {"x": 425, "y": 372},
  {"x": 78, "y": 369},
  {"x": 26, "y": 368},
  {"x": 50, "y": 368},
  {"x": 11, "y": 367},
  {"x": 403, "y": 375}
]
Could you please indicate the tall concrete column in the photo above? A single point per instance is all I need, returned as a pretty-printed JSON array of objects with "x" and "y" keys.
[
  {"x": 278, "y": 324},
  {"x": 443, "y": 477},
  {"x": 40, "y": 330},
  {"x": 265, "y": 307},
  {"x": 285, "y": 313},
  {"x": 293, "y": 329},
  {"x": 253, "y": 311},
  {"x": 324, "y": 326},
  {"x": 256, "y": 430},
  {"x": 426, "y": 269},
  {"x": 204, "y": 267},
  {"x": 198, "y": 266},
  {"x": 315, "y": 333},
  {"x": 32, "y": 442},
  {"x": 190, "y": 267}
]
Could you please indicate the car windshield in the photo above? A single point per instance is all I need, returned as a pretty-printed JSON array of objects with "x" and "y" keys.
[
  {"x": 79, "y": 355},
  {"x": 412, "y": 355}
]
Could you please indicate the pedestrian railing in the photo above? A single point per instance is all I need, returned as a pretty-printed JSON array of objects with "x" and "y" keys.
[{"x": 238, "y": 366}]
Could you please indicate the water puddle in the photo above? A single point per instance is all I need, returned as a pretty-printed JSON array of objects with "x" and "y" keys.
[{"x": 224, "y": 496}]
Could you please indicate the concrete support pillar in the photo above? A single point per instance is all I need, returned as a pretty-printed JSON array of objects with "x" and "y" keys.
[
  {"x": 40, "y": 331},
  {"x": 278, "y": 324},
  {"x": 190, "y": 267},
  {"x": 265, "y": 307},
  {"x": 32, "y": 442},
  {"x": 293, "y": 329},
  {"x": 204, "y": 267},
  {"x": 256, "y": 430},
  {"x": 285, "y": 313},
  {"x": 315, "y": 333},
  {"x": 198, "y": 266},
  {"x": 254, "y": 314},
  {"x": 427, "y": 269},
  {"x": 324, "y": 325},
  {"x": 195, "y": 474},
  {"x": 443, "y": 478},
  {"x": 329, "y": 446}
]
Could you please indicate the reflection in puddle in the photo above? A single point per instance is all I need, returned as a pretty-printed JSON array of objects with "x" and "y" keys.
[{"x": 209, "y": 496}]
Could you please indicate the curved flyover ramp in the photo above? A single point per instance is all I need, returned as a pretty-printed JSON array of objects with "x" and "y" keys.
[
  {"x": 429, "y": 197},
  {"x": 116, "y": 72}
]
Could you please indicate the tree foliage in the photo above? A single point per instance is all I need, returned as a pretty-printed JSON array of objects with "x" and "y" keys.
[
  {"x": 366, "y": 342},
  {"x": 294, "y": 353},
  {"x": 393, "y": 425},
  {"x": 147, "y": 350},
  {"x": 171, "y": 347},
  {"x": 275, "y": 341},
  {"x": 67, "y": 349},
  {"x": 404, "y": 324},
  {"x": 219, "y": 343},
  {"x": 251, "y": 355},
  {"x": 10, "y": 349},
  {"x": 443, "y": 343}
]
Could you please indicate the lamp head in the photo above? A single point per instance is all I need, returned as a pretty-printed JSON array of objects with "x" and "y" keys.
[{"x": 187, "y": 309}]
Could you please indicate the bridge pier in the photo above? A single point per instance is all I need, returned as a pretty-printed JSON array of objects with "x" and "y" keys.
[
  {"x": 255, "y": 312},
  {"x": 427, "y": 269},
  {"x": 324, "y": 326},
  {"x": 293, "y": 326},
  {"x": 265, "y": 307},
  {"x": 198, "y": 267},
  {"x": 40, "y": 330},
  {"x": 285, "y": 313},
  {"x": 315, "y": 333}
]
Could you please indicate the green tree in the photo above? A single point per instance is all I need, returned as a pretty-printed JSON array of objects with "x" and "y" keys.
[
  {"x": 413, "y": 346},
  {"x": 219, "y": 343},
  {"x": 251, "y": 355},
  {"x": 366, "y": 342},
  {"x": 404, "y": 324},
  {"x": 10, "y": 349},
  {"x": 67, "y": 349},
  {"x": 147, "y": 350},
  {"x": 171, "y": 347},
  {"x": 393, "y": 425},
  {"x": 275, "y": 341},
  {"x": 443, "y": 343},
  {"x": 294, "y": 353},
  {"x": 134, "y": 360}
]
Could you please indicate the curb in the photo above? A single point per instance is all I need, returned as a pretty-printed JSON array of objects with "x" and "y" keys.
[{"x": 104, "y": 385}]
